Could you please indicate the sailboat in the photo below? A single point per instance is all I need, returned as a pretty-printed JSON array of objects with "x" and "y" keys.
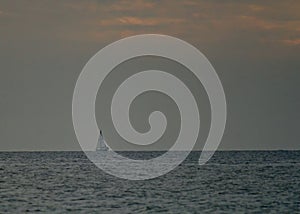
[{"x": 101, "y": 146}]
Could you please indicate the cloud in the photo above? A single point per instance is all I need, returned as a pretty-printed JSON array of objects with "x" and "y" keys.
[
  {"x": 207, "y": 23},
  {"x": 111, "y": 6},
  {"x": 138, "y": 21},
  {"x": 291, "y": 41},
  {"x": 6, "y": 14},
  {"x": 133, "y": 5},
  {"x": 256, "y": 8}
]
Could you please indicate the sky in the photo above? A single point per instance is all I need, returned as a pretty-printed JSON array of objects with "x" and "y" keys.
[{"x": 254, "y": 47}]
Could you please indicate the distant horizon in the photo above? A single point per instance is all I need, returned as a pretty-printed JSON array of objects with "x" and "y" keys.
[{"x": 238, "y": 150}]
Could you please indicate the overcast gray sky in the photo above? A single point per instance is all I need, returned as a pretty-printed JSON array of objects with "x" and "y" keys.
[{"x": 254, "y": 47}]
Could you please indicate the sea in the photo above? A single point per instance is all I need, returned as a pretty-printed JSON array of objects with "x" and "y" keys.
[{"x": 231, "y": 182}]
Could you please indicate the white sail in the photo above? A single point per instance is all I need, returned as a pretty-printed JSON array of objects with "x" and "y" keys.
[{"x": 101, "y": 146}]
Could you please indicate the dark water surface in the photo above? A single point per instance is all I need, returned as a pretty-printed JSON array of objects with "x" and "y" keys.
[{"x": 239, "y": 182}]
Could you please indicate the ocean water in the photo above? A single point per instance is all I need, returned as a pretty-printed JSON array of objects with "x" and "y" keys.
[{"x": 239, "y": 182}]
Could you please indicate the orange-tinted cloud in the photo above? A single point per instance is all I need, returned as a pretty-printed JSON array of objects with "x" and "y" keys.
[
  {"x": 205, "y": 22},
  {"x": 291, "y": 41},
  {"x": 137, "y": 21}
]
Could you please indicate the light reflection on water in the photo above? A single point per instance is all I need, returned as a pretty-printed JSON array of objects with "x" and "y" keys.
[{"x": 229, "y": 182}]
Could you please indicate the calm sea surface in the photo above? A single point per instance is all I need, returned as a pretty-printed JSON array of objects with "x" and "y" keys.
[{"x": 239, "y": 182}]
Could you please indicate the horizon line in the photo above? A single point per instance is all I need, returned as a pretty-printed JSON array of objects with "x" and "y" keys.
[{"x": 225, "y": 150}]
